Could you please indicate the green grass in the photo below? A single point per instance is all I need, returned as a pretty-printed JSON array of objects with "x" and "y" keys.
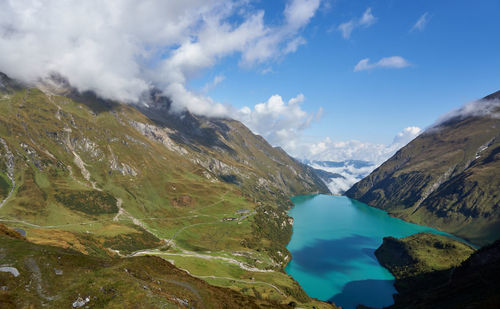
[
  {"x": 74, "y": 215},
  {"x": 146, "y": 282},
  {"x": 5, "y": 186},
  {"x": 421, "y": 253}
]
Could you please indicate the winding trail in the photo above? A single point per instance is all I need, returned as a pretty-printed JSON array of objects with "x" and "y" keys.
[
  {"x": 187, "y": 253},
  {"x": 243, "y": 281}
]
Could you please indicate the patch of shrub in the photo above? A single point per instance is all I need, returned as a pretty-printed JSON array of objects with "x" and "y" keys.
[{"x": 90, "y": 202}]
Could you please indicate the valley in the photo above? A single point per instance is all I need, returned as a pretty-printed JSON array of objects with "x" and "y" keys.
[{"x": 309, "y": 154}]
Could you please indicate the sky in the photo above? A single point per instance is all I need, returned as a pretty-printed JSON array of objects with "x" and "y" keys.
[{"x": 324, "y": 79}]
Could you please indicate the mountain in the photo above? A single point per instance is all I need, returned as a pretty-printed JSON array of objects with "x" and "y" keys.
[
  {"x": 447, "y": 177},
  {"x": 111, "y": 180},
  {"x": 434, "y": 271},
  {"x": 340, "y": 175}
]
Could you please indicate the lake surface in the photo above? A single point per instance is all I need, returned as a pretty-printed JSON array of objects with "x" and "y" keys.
[{"x": 333, "y": 244}]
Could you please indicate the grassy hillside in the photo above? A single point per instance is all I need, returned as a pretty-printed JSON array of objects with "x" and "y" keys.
[
  {"x": 433, "y": 271},
  {"x": 55, "y": 277},
  {"x": 445, "y": 178},
  {"x": 106, "y": 179}
]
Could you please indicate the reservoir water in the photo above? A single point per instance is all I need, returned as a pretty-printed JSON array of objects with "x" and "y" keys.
[{"x": 333, "y": 244}]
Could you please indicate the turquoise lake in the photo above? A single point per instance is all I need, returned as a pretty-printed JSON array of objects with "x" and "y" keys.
[{"x": 333, "y": 244}]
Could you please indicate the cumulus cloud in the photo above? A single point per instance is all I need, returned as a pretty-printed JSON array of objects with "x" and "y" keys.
[
  {"x": 280, "y": 123},
  {"x": 405, "y": 136},
  {"x": 421, "y": 23},
  {"x": 395, "y": 62},
  {"x": 364, "y": 21},
  {"x": 329, "y": 150},
  {"x": 119, "y": 49}
]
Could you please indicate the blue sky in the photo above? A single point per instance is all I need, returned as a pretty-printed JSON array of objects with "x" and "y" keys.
[
  {"x": 454, "y": 59},
  {"x": 324, "y": 79}
]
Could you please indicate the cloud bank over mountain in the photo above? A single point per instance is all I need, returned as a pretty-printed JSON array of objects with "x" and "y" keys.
[
  {"x": 119, "y": 49},
  {"x": 283, "y": 124}
]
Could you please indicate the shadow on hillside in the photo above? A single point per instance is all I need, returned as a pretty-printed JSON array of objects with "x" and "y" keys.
[{"x": 92, "y": 101}]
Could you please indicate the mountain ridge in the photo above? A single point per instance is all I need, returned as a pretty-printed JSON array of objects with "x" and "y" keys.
[{"x": 446, "y": 177}]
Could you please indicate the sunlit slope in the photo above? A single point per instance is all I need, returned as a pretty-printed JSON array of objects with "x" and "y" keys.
[
  {"x": 107, "y": 179},
  {"x": 448, "y": 177}
]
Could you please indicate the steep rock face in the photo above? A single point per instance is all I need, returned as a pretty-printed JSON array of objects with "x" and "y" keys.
[{"x": 447, "y": 177}]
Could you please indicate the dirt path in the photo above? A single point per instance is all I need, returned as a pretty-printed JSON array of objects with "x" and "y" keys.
[
  {"x": 186, "y": 253},
  {"x": 120, "y": 209},
  {"x": 244, "y": 281}
]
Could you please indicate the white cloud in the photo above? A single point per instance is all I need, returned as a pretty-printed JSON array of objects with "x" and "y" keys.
[
  {"x": 367, "y": 19},
  {"x": 346, "y": 151},
  {"x": 478, "y": 108},
  {"x": 421, "y": 23},
  {"x": 350, "y": 173},
  {"x": 395, "y": 62},
  {"x": 293, "y": 45},
  {"x": 280, "y": 123},
  {"x": 329, "y": 150},
  {"x": 119, "y": 49},
  {"x": 298, "y": 13},
  {"x": 405, "y": 136},
  {"x": 364, "y": 21},
  {"x": 212, "y": 84},
  {"x": 347, "y": 28}
]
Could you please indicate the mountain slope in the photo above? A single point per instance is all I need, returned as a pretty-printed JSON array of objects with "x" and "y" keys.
[
  {"x": 42, "y": 275},
  {"x": 447, "y": 177},
  {"x": 433, "y": 271},
  {"x": 107, "y": 179}
]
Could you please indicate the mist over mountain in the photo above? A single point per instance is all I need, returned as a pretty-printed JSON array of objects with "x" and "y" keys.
[{"x": 339, "y": 176}]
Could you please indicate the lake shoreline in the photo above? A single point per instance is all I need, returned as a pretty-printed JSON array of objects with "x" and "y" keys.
[{"x": 380, "y": 279}]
